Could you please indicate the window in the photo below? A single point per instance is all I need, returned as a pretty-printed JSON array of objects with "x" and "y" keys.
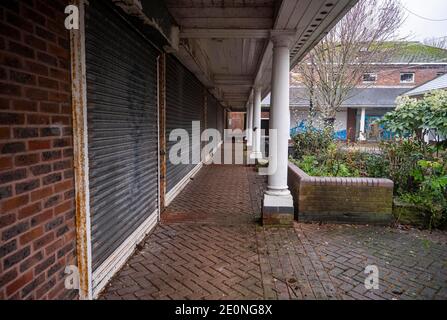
[
  {"x": 407, "y": 77},
  {"x": 369, "y": 77}
]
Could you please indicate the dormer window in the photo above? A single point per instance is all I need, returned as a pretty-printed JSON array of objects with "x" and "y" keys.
[
  {"x": 369, "y": 77},
  {"x": 407, "y": 77}
]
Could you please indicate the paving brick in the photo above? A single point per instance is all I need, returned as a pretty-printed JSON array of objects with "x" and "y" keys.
[{"x": 209, "y": 245}]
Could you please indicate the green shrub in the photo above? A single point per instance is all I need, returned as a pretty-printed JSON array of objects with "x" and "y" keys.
[
  {"x": 402, "y": 156},
  {"x": 377, "y": 166},
  {"x": 419, "y": 170},
  {"x": 312, "y": 142},
  {"x": 415, "y": 117},
  {"x": 329, "y": 168},
  {"x": 431, "y": 193}
]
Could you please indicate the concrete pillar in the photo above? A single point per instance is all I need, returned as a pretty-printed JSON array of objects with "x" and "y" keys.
[
  {"x": 256, "y": 154},
  {"x": 247, "y": 124},
  {"x": 362, "y": 135},
  {"x": 278, "y": 202},
  {"x": 250, "y": 124}
]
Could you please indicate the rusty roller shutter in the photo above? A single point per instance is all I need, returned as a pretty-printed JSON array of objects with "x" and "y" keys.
[
  {"x": 122, "y": 128},
  {"x": 184, "y": 104}
]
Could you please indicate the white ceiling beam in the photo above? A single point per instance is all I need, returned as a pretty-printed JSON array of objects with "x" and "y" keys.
[
  {"x": 246, "y": 11},
  {"x": 199, "y": 33},
  {"x": 228, "y": 22},
  {"x": 235, "y": 96},
  {"x": 233, "y": 80}
]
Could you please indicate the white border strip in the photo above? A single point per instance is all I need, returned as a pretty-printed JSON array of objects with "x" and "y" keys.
[
  {"x": 118, "y": 258},
  {"x": 182, "y": 184},
  {"x": 171, "y": 195},
  {"x": 213, "y": 152}
]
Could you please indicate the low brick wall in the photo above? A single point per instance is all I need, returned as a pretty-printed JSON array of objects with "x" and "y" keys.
[{"x": 342, "y": 200}]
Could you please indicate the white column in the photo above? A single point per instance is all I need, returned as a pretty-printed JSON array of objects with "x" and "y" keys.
[
  {"x": 362, "y": 135},
  {"x": 256, "y": 154},
  {"x": 247, "y": 124},
  {"x": 278, "y": 202},
  {"x": 250, "y": 123}
]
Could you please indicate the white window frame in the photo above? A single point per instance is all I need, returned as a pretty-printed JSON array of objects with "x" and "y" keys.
[
  {"x": 373, "y": 74},
  {"x": 412, "y": 81}
]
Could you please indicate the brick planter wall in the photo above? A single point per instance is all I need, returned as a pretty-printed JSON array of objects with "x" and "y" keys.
[
  {"x": 344, "y": 200},
  {"x": 37, "y": 227}
]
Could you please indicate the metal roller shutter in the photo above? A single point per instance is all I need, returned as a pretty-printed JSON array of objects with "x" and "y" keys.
[
  {"x": 211, "y": 111},
  {"x": 220, "y": 120},
  {"x": 122, "y": 128},
  {"x": 184, "y": 104}
]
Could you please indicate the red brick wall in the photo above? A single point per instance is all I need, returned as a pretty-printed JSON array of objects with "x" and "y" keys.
[
  {"x": 390, "y": 76},
  {"x": 351, "y": 124},
  {"x": 237, "y": 120},
  {"x": 345, "y": 200},
  {"x": 37, "y": 227}
]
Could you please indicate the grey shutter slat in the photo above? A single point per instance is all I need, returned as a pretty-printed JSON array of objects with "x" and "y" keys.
[
  {"x": 122, "y": 128},
  {"x": 215, "y": 115},
  {"x": 211, "y": 112},
  {"x": 184, "y": 104},
  {"x": 220, "y": 120}
]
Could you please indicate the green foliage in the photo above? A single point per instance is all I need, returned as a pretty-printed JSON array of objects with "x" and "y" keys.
[
  {"x": 401, "y": 156},
  {"x": 329, "y": 168},
  {"x": 311, "y": 142},
  {"x": 377, "y": 166},
  {"x": 310, "y": 165},
  {"x": 437, "y": 115},
  {"x": 431, "y": 177},
  {"x": 407, "y": 119},
  {"x": 414, "y": 118},
  {"x": 419, "y": 170}
]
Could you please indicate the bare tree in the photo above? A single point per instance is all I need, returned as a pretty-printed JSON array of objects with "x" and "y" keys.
[
  {"x": 440, "y": 42},
  {"x": 366, "y": 35}
]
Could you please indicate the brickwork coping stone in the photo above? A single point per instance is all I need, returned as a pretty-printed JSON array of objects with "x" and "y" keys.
[{"x": 341, "y": 200}]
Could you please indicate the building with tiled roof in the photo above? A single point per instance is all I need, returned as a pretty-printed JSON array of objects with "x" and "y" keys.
[{"x": 412, "y": 66}]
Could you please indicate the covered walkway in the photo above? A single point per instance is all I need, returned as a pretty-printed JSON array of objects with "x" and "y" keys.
[
  {"x": 101, "y": 129},
  {"x": 209, "y": 245}
]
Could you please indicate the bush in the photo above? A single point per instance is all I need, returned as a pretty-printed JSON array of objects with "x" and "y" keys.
[
  {"x": 431, "y": 193},
  {"x": 419, "y": 170},
  {"x": 416, "y": 117},
  {"x": 319, "y": 168},
  {"x": 401, "y": 156},
  {"x": 377, "y": 166},
  {"x": 312, "y": 142}
]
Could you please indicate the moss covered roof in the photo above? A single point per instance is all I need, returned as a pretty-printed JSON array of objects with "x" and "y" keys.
[{"x": 416, "y": 52}]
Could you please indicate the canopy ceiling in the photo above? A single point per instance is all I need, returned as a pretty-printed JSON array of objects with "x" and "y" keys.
[{"x": 226, "y": 42}]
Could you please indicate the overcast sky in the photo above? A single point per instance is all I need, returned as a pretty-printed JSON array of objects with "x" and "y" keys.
[{"x": 419, "y": 29}]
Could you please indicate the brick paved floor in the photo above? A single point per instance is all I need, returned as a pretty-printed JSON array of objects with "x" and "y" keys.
[{"x": 210, "y": 245}]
